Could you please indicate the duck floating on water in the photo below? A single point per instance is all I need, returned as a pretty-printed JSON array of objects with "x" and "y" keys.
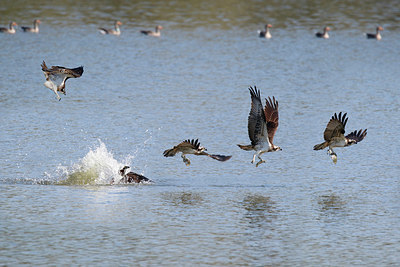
[
  {"x": 156, "y": 33},
  {"x": 376, "y": 35},
  {"x": 10, "y": 28},
  {"x": 57, "y": 76},
  {"x": 35, "y": 28},
  {"x": 265, "y": 34},
  {"x": 116, "y": 30},
  {"x": 324, "y": 34},
  {"x": 131, "y": 177}
]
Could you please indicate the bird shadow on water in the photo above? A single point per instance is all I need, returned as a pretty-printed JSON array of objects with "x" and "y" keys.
[
  {"x": 183, "y": 198},
  {"x": 331, "y": 207},
  {"x": 260, "y": 210}
]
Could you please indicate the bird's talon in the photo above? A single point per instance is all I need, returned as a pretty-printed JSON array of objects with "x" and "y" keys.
[{"x": 258, "y": 163}]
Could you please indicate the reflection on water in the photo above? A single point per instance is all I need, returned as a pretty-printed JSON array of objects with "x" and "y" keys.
[
  {"x": 332, "y": 208},
  {"x": 260, "y": 210},
  {"x": 183, "y": 198},
  {"x": 331, "y": 203}
]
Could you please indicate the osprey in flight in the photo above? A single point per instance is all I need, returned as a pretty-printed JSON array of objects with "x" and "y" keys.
[
  {"x": 192, "y": 147},
  {"x": 57, "y": 76},
  {"x": 262, "y": 125},
  {"x": 334, "y": 135}
]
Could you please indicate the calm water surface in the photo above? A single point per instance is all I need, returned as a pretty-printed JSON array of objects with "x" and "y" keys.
[{"x": 139, "y": 96}]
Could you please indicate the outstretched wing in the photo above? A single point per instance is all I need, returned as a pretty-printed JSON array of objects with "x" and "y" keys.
[
  {"x": 335, "y": 127},
  {"x": 357, "y": 136},
  {"x": 193, "y": 144},
  {"x": 271, "y": 117},
  {"x": 257, "y": 125},
  {"x": 69, "y": 73},
  {"x": 44, "y": 67},
  {"x": 188, "y": 147}
]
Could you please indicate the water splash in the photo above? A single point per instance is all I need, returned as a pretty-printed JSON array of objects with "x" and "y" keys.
[{"x": 98, "y": 167}]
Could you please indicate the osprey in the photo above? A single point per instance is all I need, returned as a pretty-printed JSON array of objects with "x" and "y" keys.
[
  {"x": 192, "y": 147},
  {"x": 57, "y": 76},
  {"x": 131, "y": 177},
  {"x": 157, "y": 33},
  {"x": 35, "y": 28},
  {"x": 116, "y": 30},
  {"x": 334, "y": 135},
  {"x": 324, "y": 34},
  {"x": 262, "y": 125}
]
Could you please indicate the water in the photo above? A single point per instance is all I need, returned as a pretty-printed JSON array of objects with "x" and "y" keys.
[{"x": 139, "y": 96}]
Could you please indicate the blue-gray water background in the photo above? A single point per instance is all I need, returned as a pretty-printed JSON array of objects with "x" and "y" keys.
[{"x": 140, "y": 95}]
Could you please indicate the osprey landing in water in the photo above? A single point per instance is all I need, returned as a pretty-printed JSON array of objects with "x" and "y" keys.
[
  {"x": 262, "y": 125},
  {"x": 56, "y": 77},
  {"x": 334, "y": 135},
  {"x": 192, "y": 147},
  {"x": 131, "y": 177}
]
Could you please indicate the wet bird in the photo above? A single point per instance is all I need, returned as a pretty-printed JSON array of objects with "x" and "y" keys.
[
  {"x": 192, "y": 147},
  {"x": 131, "y": 177},
  {"x": 324, "y": 34},
  {"x": 265, "y": 34},
  {"x": 334, "y": 135},
  {"x": 57, "y": 76},
  {"x": 10, "y": 28},
  {"x": 376, "y": 35},
  {"x": 35, "y": 28},
  {"x": 156, "y": 33},
  {"x": 116, "y": 30},
  {"x": 262, "y": 125}
]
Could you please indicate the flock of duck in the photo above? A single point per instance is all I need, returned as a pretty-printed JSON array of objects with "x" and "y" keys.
[
  {"x": 263, "y": 121},
  {"x": 157, "y": 33},
  {"x": 267, "y": 34},
  {"x": 115, "y": 31}
]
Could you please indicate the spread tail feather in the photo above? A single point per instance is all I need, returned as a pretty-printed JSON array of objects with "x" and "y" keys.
[
  {"x": 169, "y": 152},
  {"x": 321, "y": 146},
  {"x": 248, "y": 147}
]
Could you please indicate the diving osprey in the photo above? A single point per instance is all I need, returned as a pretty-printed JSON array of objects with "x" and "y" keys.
[
  {"x": 131, "y": 177},
  {"x": 57, "y": 76},
  {"x": 334, "y": 135},
  {"x": 262, "y": 125},
  {"x": 192, "y": 147}
]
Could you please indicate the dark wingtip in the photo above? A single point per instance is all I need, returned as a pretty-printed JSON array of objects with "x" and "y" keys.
[
  {"x": 254, "y": 92},
  {"x": 220, "y": 157}
]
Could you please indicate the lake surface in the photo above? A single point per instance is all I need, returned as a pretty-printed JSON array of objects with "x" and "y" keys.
[{"x": 140, "y": 95}]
